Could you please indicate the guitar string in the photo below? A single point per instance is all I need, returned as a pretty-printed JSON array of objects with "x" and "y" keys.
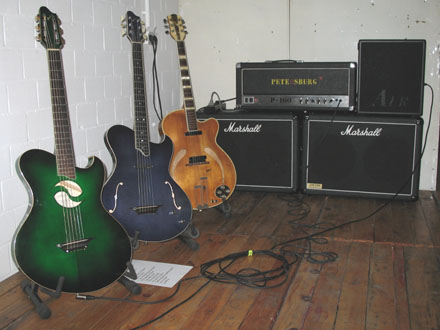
[
  {"x": 67, "y": 202},
  {"x": 190, "y": 114},
  {"x": 137, "y": 49},
  {"x": 149, "y": 182},
  {"x": 139, "y": 129},
  {"x": 145, "y": 176},
  {"x": 73, "y": 213},
  {"x": 58, "y": 147}
]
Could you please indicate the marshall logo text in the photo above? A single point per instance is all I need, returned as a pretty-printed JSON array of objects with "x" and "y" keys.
[
  {"x": 358, "y": 132},
  {"x": 232, "y": 128}
]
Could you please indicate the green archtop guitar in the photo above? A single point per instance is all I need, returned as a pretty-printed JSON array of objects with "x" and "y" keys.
[{"x": 66, "y": 233}]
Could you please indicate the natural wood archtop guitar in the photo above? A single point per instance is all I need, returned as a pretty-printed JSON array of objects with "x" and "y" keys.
[{"x": 203, "y": 170}]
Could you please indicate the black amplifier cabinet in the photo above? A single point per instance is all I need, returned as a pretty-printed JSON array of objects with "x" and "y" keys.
[
  {"x": 263, "y": 147},
  {"x": 391, "y": 77},
  {"x": 296, "y": 86},
  {"x": 369, "y": 156}
]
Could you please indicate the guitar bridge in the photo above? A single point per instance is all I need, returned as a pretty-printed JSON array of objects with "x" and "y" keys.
[
  {"x": 146, "y": 209},
  {"x": 81, "y": 244}
]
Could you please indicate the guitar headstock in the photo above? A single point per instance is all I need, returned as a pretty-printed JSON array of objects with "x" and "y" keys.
[
  {"x": 133, "y": 27},
  {"x": 176, "y": 27},
  {"x": 49, "y": 31}
]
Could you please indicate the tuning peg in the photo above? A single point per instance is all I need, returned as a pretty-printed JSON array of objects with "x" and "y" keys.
[
  {"x": 167, "y": 32},
  {"x": 59, "y": 21},
  {"x": 165, "y": 20},
  {"x": 38, "y": 37},
  {"x": 145, "y": 37},
  {"x": 38, "y": 28},
  {"x": 183, "y": 21},
  {"x": 123, "y": 33},
  {"x": 143, "y": 29},
  {"x": 61, "y": 31},
  {"x": 123, "y": 18},
  {"x": 37, "y": 18}
]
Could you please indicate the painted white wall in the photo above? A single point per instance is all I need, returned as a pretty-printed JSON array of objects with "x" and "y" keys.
[
  {"x": 97, "y": 65},
  {"x": 224, "y": 32}
]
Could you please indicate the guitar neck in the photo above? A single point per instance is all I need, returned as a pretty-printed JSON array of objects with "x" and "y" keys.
[
  {"x": 141, "y": 122},
  {"x": 64, "y": 152},
  {"x": 188, "y": 98}
]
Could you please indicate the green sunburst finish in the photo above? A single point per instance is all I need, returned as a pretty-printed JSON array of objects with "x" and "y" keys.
[{"x": 35, "y": 244}]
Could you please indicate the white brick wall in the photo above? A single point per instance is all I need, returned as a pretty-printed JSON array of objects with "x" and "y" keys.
[{"x": 97, "y": 65}]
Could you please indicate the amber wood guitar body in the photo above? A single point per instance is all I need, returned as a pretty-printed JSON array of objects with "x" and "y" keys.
[{"x": 198, "y": 165}]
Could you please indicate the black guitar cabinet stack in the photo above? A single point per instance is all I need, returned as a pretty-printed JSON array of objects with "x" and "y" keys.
[
  {"x": 376, "y": 151},
  {"x": 337, "y": 128}
]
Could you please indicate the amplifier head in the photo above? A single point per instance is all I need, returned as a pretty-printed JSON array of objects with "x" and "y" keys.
[{"x": 296, "y": 86}]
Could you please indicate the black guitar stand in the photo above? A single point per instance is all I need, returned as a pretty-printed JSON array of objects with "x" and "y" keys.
[
  {"x": 126, "y": 279},
  {"x": 135, "y": 240},
  {"x": 225, "y": 208},
  {"x": 189, "y": 235},
  {"x": 31, "y": 290}
]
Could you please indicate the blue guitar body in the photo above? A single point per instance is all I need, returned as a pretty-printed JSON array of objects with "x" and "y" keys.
[{"x": 140, "y": 192}]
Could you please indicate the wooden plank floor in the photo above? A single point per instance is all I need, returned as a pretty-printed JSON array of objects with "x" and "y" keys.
[{"x": 386, "y": 275}]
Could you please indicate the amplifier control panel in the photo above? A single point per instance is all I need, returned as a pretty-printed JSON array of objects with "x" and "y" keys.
[{"x": 298, "y": 101}]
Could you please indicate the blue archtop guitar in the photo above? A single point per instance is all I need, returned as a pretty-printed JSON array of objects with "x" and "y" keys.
[
  {"x": 66, "y": 232},
  {"x": 140, "y": 192}
]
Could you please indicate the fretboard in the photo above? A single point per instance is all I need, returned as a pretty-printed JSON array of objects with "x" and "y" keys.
[
  {"x": 64, "y": 153},
  {"x": 141, "y": 123},
  {"x": 188, "y": 98}
]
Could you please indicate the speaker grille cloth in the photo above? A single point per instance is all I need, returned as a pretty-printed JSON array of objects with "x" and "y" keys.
[{"x": 377, "y": 163}]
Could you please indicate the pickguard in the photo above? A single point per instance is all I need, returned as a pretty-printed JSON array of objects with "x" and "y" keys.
[{"x": 63, "y": 198}]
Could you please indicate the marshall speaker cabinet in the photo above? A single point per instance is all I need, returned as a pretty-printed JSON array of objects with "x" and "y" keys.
[
  {"x": 391, "y": 76},
  {"x": 369, "y": 156},
  {"x": 263, "y": 148},
  {"x": 296, "y": 85}
]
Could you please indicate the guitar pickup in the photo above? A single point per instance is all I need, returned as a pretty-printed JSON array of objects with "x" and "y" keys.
[
  {"x": 197, "y": 160},
  {"x": 81, "y": 244},
  {"x": 190, "y": 133}
]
